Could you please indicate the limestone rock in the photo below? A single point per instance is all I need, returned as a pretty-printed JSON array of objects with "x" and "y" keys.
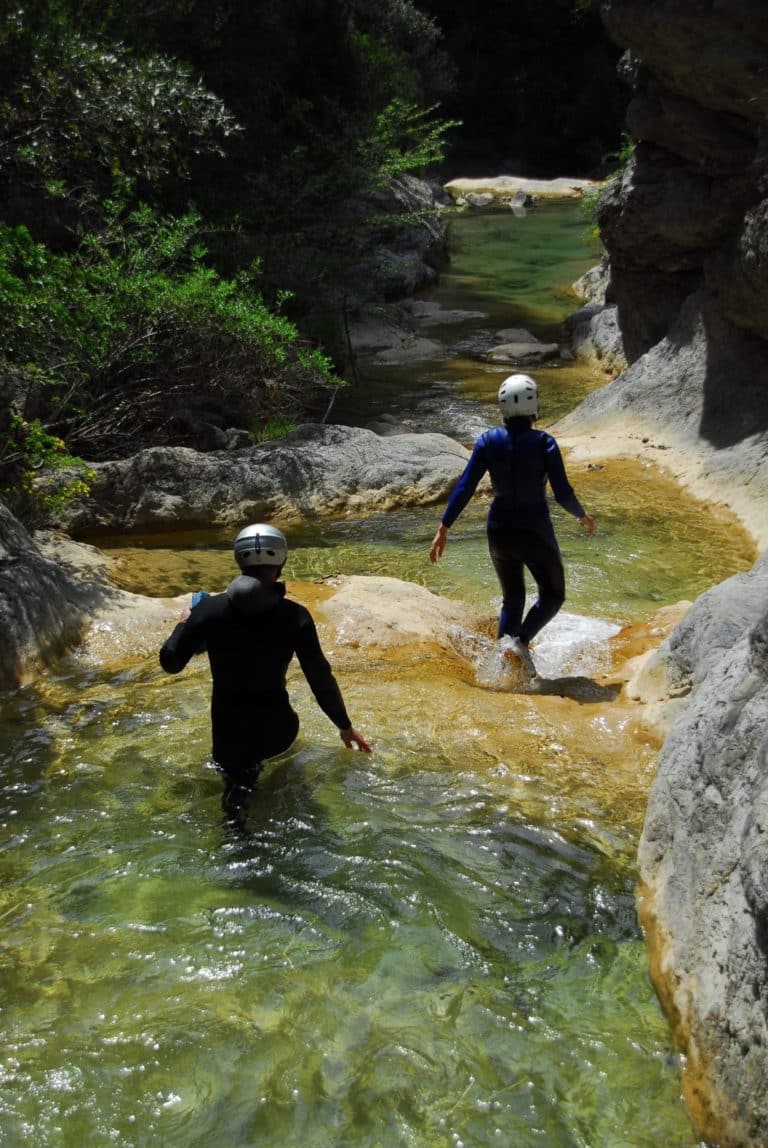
[
  {"x": 593, "y": 334},
  {"x": 704, "y": 860},
  {"x": 738, "y": 273},
  {"x": 401, "y": 254},
  {"x": 480, "y": 199},
  {"x": 315, "y": 470},
  {"x": 40, "y": 610},
  {"x": 703, "y": 386},
  {"x": 514, "y": 335},
  {"x": 55, "y": 594},
  {"x": 689, "y": 208},
  {"x": 686, "y": 231},
  {"x": 81, "y": 561},
  {"x": 594, "y": 286},
  {"x": 504, "y": 188},
  {"x": 398, "y": 619}
]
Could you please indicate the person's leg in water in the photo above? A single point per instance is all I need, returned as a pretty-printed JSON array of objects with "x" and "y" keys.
[
  {"x": 546, "y": 566},
  {"x": 239, "y": 784},
  {"x": 510, "y": 551},
  {"x": 241, "y": 755},
  {"x": 509, "y": 569}
]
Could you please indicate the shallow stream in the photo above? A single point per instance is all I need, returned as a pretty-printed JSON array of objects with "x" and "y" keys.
[{"x": 436, "y": 945}]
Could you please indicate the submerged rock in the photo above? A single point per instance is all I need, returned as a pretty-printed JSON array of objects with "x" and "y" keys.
[{"x": 524, "y": 353}]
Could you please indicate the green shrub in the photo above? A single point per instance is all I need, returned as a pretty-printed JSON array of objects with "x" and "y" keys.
[
  {"x": 591, "y": 199},
  {"x": 132, "y": 340},
  {"x": 37, "y": 472}
]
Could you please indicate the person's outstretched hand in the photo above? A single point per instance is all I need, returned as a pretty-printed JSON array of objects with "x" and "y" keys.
[
  {"x": 589, "y": 524},
  {"x": 351, "y": 737},
  {"x": 438, "y": 544}
]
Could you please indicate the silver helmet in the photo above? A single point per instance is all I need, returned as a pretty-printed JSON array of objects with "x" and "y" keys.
[
  {"x": 260, "y": 545},
  {"x": 519, "y": 395}
]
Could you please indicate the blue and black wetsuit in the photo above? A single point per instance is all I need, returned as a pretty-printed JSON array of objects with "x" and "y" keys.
[
  {"x": 250, "y": 633},
  {"x": 520, "y": 461}
]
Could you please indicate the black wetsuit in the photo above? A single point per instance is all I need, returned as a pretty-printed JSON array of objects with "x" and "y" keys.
[{"x": 250, "y": 633}]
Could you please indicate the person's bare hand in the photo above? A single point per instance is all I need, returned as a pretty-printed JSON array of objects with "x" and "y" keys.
[
  {"x": 351, "y": 737},
  {"x": 588, "y": 523},
  {"x": 438, "y": 544}
]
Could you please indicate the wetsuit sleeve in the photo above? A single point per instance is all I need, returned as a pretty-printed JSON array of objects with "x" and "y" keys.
[
  {"x": 317, "y": 671},
  {"x": 467, "y": 484},
  {"x": 186, "y": 640},
  {"x": 558, "y": 480}
]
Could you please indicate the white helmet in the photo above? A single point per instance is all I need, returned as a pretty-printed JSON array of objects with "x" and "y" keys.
[
  {"x": 519, "y": 395},
  {"x": 260, "y": 545}
]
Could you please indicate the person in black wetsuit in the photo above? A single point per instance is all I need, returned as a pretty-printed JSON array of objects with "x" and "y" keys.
[
  {"x": 519, "y": 460},
  {"x": 250, "y": 633}
]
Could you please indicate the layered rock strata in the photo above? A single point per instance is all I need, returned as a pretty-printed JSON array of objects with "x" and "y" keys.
[{"x": 690, "y": 212}]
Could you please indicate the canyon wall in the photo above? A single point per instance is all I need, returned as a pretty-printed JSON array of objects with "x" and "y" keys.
[{"x": 686, "y": 231}]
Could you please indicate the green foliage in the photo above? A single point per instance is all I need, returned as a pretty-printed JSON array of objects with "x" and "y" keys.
[
  {"x": 274, "y": 428},
  {"x": 84, "y": 115},
  {"x": 38, "y": 475},
  {"x": 403, "y": 138},
  {"x": 132, "y": 339},
  {"x": 318, "y": 85},
  {"x": 117, "y": 328},
  {"x": 591, "y": 199}
]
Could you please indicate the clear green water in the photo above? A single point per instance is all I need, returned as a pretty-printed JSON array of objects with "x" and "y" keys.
[
  {"x": 518, "y": 269},
  {"x": 512, "y": 272},
  {"x": 436, "y": 945},
  {"x": 402, "y": 952},
  {"x": 625, "y": 573}
]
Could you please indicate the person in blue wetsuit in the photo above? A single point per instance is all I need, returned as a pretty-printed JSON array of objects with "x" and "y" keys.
[
  {"x": 520, "y": 461},
  {"x": 250, "y": 633}
]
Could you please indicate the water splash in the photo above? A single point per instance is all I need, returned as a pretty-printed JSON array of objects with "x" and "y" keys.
[{"x": 573, "y": 645}]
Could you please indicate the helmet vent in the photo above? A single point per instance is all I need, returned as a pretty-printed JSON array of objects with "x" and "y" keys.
[{"x": 260, "y": 545}]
